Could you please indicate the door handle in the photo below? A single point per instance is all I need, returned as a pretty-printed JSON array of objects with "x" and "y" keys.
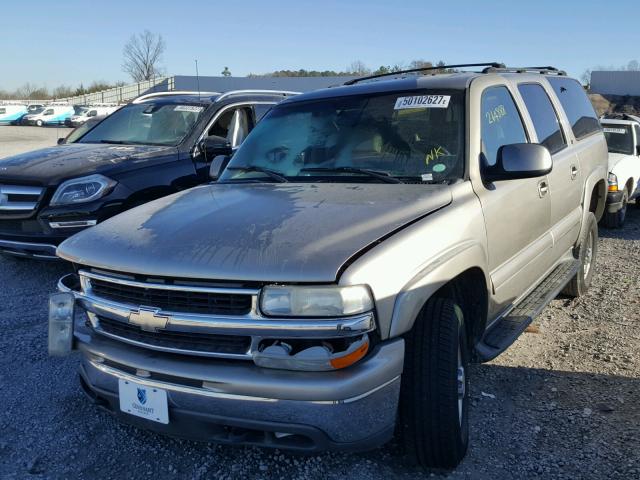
[
  {"x": 543, "y": 188},
  {"x": 574, "y": 172}
]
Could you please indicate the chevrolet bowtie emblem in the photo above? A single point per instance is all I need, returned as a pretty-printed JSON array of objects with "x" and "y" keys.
[{"x": 148, "y": 319}]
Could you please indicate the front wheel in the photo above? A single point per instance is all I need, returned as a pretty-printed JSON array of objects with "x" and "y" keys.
[
  {"x": 586, "y": 253},
  {"x": 39, "y": 123},
  {"x": 434, "y": 400}
]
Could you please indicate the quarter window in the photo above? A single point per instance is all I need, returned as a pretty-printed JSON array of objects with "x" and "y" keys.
[
  {"x": 544, "y": 117},
  {"x": 576, "y": 104},
  {"x": 501, "y": 122},
  {"x": 637, "y": 129}
]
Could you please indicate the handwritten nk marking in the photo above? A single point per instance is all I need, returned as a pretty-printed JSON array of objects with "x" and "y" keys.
[{"x": 434, "y": 154}]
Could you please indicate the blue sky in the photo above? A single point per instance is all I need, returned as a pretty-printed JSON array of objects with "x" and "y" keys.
[{"x": 68, "y": 42}]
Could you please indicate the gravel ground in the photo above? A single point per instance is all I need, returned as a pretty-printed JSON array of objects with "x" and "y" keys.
[
  {"x": 561, "y": 403},
  {"x": 14, "y": 140}
]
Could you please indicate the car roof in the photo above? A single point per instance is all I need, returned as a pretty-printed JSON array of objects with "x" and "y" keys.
[
  {"x": 204, "y": 99},
  {"x": 449, "y": 81},
  {"x": 615, "y": 121}
]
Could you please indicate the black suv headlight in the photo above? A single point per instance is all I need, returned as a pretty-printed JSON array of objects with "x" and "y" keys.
[{"x": 82, "y": 190}]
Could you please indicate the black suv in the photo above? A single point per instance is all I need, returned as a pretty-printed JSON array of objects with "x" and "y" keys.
[{"x": 159, "y": 144}]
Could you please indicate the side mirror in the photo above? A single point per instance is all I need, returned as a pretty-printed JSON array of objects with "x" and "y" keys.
[
  {"x": 214, "y": 145},
  {"x": 519, "y": 160},
  {"x": 218, "y": 165},
  {"x": 60, "y": 141}
]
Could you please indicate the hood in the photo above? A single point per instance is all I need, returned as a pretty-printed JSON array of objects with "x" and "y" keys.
[
  {"x": 615, "y": 158},
  {"x": 253, "y": 232},
  {"x": 50, "y": 166}
]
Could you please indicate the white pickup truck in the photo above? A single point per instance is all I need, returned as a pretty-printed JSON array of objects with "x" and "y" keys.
[{"x": 623, "y": 140}]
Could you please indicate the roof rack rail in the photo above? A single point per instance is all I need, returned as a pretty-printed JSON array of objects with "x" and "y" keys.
[
  {"x": 620, "y": 116},
  {"x": 425, "y": 69},
  {"x": 257, "y": 92},
  {"x": 172, "y": 92},
  {"x": 541, "y": 70}
]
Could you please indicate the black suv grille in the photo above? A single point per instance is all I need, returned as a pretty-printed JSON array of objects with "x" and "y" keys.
[
  {"x": 196, "y": 342},
  {"x": 174, "y": 300}
]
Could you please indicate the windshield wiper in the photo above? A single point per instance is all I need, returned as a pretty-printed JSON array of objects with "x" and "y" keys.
[
  {"x": 385, "y": 177},
  {"x": 267, "y": 171},
  {"x": 115, "y": 142}
]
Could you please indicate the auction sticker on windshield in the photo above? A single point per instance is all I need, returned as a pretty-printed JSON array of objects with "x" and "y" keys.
[
  {"x": 188, "y": 108},
  {"x": 621, "y": 131},
  {"x": 422, "y": 101},
  {"x": 143, "y": 401}
]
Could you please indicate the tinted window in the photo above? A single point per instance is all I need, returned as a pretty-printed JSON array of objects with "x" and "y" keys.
[
  {"x": 576, "y": 104},
  {"x": 544, "y": 117},
  {"x": 260, "y": 110},
  {"x": 619, "y": 138},
  {"x": 501, "y": 122},
  {"x": 3, "y": 110},
  {"x": 637, "y": 129}
]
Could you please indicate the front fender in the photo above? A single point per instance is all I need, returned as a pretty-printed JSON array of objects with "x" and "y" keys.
[{"x": 441, "y": 270}]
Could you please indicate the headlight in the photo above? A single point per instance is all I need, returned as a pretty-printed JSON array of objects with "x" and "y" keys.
[
  {"x": 612, "y": 180},
  {"x": 315, "y": 301},
  {"x": 81, "y": 190}
]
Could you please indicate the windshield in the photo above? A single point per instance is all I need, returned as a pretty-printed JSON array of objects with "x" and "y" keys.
[
  {"x": 416, "y": 136},
  {"x": 619, "y": 138},
  {"x": 146, "y": 123}
]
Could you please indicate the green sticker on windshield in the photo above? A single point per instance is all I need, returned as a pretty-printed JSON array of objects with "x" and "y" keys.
[{"x": 439, "y": 167}]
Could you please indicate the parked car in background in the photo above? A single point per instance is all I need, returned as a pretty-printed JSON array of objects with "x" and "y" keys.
[
  {"x": 90, "y": 112},
  {"x": 361, "y": 247},
  {"x": 623, "y": 139},
  {"x": 11, "y": 113},
  {"x": 157, "y": 145},
  {"x": 53, "y": 114},
  {"x": 31, "y": 111}
]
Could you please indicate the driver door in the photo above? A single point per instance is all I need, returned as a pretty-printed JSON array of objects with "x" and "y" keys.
[{"x": 516, "y": 212}]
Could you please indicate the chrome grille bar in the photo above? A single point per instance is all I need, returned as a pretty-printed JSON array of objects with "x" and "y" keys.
[{"x": 19, "y": 198}]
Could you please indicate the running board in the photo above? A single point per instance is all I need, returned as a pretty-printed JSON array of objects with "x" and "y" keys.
[{"x": 506, "y": 330}]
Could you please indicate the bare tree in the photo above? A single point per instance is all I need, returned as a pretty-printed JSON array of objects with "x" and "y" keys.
[
  {"x": 358, "y": 68},
  {"x": 142, "y": 56}
]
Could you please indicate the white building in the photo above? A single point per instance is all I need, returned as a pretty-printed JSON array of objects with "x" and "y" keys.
[{"x": 615, "y": 82}]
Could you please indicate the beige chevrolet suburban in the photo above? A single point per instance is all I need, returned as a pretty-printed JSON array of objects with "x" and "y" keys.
[{"x": 355, "y": 254}]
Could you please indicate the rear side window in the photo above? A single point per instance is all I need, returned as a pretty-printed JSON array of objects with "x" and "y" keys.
[
  {"x": 576, "y": 104},
  {"x": 637, "y": 129},
  {"x": 501, "y": 122},
  {"x": 544, "y": 117}
]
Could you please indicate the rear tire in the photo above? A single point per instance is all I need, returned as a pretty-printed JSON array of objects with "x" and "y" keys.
[
  {"x": 616, "y": 219},
  {"x": 434, "y": 400},
  {"x": 586, "y": 252}
]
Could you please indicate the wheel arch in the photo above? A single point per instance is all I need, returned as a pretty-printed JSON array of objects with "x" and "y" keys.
[{"x": 463, "y": 278}]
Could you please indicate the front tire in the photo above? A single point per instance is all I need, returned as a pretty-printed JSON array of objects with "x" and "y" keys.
[
  {"x": 616, "y": 219},
  {"x": 38, "y": 123},
  {"x": 434, "y": 400},
  {"x": 586, "y": 252}
]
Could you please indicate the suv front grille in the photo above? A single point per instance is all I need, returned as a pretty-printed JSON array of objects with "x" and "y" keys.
[
  {"x": 19, "y": 199},
  {"x": 205, "y": 343},
  {"x": 174, "y": 300}
]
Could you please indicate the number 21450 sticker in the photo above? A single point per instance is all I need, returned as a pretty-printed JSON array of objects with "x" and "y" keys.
[{"x": 422, "y": 101}]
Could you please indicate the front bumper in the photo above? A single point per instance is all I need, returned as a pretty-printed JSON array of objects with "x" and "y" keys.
[
  {"x": 238, "y": 403},
  {"x": 614, "y": 201}
]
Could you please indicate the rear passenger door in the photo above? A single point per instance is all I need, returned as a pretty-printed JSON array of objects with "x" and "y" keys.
[
  {"x": 516, "y": 212},
  {"x": 565, "y": 181}
]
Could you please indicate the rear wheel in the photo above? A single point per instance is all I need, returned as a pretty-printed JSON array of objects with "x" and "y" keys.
[
  {"x": 616, "y": 219},
  {"x": 586, "y": 252},
  {"x": 434, "y": 394}
]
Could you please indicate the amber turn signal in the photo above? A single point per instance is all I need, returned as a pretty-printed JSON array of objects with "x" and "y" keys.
[{"x": 351, "y": 358}]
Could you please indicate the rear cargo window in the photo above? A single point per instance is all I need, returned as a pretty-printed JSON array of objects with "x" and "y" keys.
[
  {"x": 576, "y": 104},
  {"x": 544, "y": 117}
]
